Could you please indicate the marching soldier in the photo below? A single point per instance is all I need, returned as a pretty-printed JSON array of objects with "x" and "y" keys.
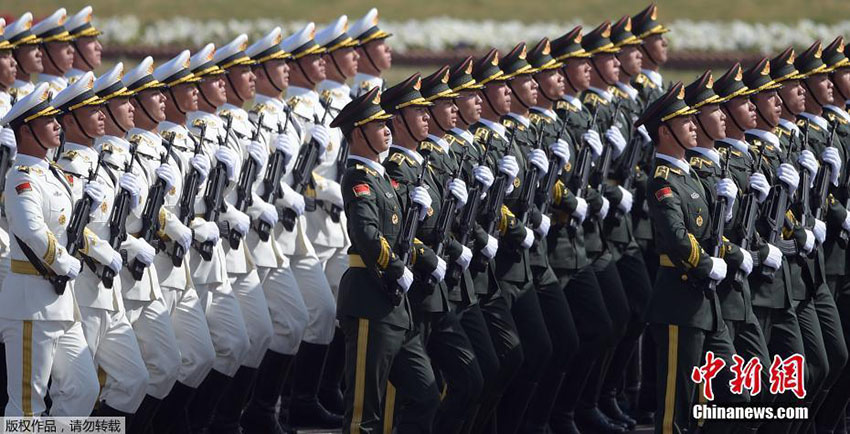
[
  {"x": 40, "y": 323},
  {"x": 56, "y": 48},
  {"x": 340, "y": 50},
  {"x": 87, "y": 48},
  {"x": 26, "y": 53},
  {"x": 645, "y": 27},
  {"x": 375, "y": 54},
  {"x": 8, "y": 69}
]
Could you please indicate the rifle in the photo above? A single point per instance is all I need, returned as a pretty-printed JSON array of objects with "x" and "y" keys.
[
  {"x": 556, "y": 167},
  {"x": 214, "y": 195},
  {"x": 718, "y": 217},
  {"x": 750, "y": 207},
  {"x": 493, "y": 206},
  {"x": 607, "y": 153},
  {"x": 150, "y": 214},
  {"x": 80, "y": 217},
  {"x": 776, "y": 219},
  {"x": 247, "y": 176},
  {"x": 271, "y": 181},
  {"x": 583, "y": 162},
  {"x": 5, "y": 163},
  {"x": 466, "y": 221},
  {"x": 408, "y": 233},
  {"x": 447, "y": 212},
  {"x": 804, "y": 182},
  {"x": 529, "y": 188},
  {"x": 823, "y": 178},
  {"x": 186, "y": 206},
  {"x": 118, "y": 220}
]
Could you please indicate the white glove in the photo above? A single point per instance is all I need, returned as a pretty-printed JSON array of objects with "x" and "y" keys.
[
  {"x": 718, "y": 269},
  {"x": 207, "y": 231},
  {"x": 146, "y": 252},
  {"x": 492, "y": 246},
  {"x": 116, "y": 263},
  {"x": 259, "y": 152},
  {"x": 94, "y": 190},
  {"x": 405, "y": 280},
  {"x": 759, "y": 185},
  {"x": 228, "y": 157},
  {"x": 74, "y": 266},
  {"x": 294, "y": 201},
  {"x": 322, "y": 135},
  {"x": 543, "y": 228},
  {"x": 846, "y": 223},
  {"x": 809, "y": 162},
  {"x": 7, "y": 139},
  {"x": 626, "y": 202},
  {"x": 330, "y": 192},
  {"x": 561, "y": 149},
  {"x": 458, "y": 189},
  {"x": 591, "y": 138},
  {"x": 465, "y": 258},
  {"x": 810, "y": 242},
  {"x": 830, "y": 156},
  {"x": 181, "y": 235},
  {"x": 538, "y": 158},
  {"x": 285, "y": 144},
  {"x": 819, "y": 231},
  {"x": 439, "y": 273},
  {"x": 644, "y": 134},
  {"x": 268, "y": 213},
  {"x": 580, "y": 213},
  {"x": 727, "y": 188},
  {"x": 239, "y": 221},
  {"x": 483, "y": 175},
  {"x": 202, "y": 164},
  {"x": 774, "y": 257},
  {"x": 130, "y": 182},
  {"x": 787, "y": 174},
  {"x": 508, "y": 165},
  {"x": 615, "y": 136},
  {"x": 419, "y": 195},
  {"x": 603, "y": 212},
  {"x": 528, "y": 240},
  {"x": 168, "y": 174},
  {"x": 747, "y": 264}
]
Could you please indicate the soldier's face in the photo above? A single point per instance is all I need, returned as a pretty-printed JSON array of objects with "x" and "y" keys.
[
  {"x": 608, "y": 66},
  {"x": 123, "y": 112},
  {"x": 682, "y": 128},
  {"x": 88, "y": 50},
  {"x": 8, "y": 68},
  {"x": 445, "y": 113},
  {"x": 713, "y": 120},
  {"x": 630, "y": 60},
  {"x": 46, "y": 130},
  {"x": 551, "y": 83},
  {"x": 578, "y": 71},
  {"x": 314, "y": 67},
  {"x": 380, "y": 53},
  {"x": 62, "y": 54},
  {"x": 346, "y": 60},
  {"x": 29, "y": 57},
  {"x": 469, "y": 104},
  {"x": 524, "y": 89},
  {"x": 153, "y": 102},
  {"x": 656, "y": 46},
  {"x": 499, "y": 95},
  {"x": 417, "y": 120},
  {"x": 841, "y": 81},
  {"x": 243, "y": 80},
  {"x": 793, "y": 94},
  {"x": 89, "y": 120},
  {"x": 272, "y": 76},
  {"x": 377, "y": 134},
  {"x": 214, "y": 90},
  {"x": 743, "y": 112},
  {"x": 770, "y": 106},
  {"x": 821, "y": 87},
  {"x": 185, "y": 96}
]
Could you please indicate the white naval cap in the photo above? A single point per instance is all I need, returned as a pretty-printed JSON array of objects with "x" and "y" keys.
[
  {"x": 335, "y": 36},
  {"x": 141, "y": 77},
  {"x": 267, "y": 48},
  {"x": 110, "y": 84},
  {"x": 4, "y": 44},
  {"x": 20, "y": 31},
  {"x": 80, "y": 24},
  {"x": 52, "y": 28},
  {"x": 302, "y": 42},
  {"x": 202, "y": 63},
  {"x": 366, "y": 28},
  {"x": 77, "y": 95},
  {"x": 175, "y": 71},
  {"x": 233, "y": 54},
  {"x": 34, "y": 105}
]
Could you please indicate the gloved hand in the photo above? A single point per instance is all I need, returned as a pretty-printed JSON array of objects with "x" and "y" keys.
[
  {"x": 74, "y": 266},
  {"x": 484, "y": 176},
  {"x": 561, "y": 149},
  {"x": 465, "y": 258},
  {"x": 808, "y": 161},
  {"x": 810, "y": 242},
  {"x": 789, "y": 176},
  {"x": 774, "y": 257},
  {"x": 181, "y": 235},
  {"x": 294, "y": 201},
  {"x": 405, "y": 280},
  {"x": 202, "y": 164},
  {"x": 603, "y": 212},
  {"x": 538, "y": 158},
  {"x": 543, "y": 228},
  {"x": 727, "y": 188},
  {"x": 747, "y": 263},
  {"x": 580, "y": 213},
  {"x": 830, "y": 156},
  {"x": 286, "y": 144},
  {"x": 268, "y": 213},
  {"x": 240, "y": 221},
  {"x": 718, "y": 269},
  {"x": 130, "y": 182},
  {"x": 95, "y": 191},
  {"x": 7, "y": 139},
  {"x": 528, "y": 240},
  {"x": 492, "y": 246},
  {"x": 626, "y": 202},
  {"x": 508, "y": 165},
  {"x": 591, "y": 138},
  {"x": 259, "y": 152},
  {"x": 760, "y": 186},
  {"x": 168, "y": 174},
  {"x": 439, "y": 273},
  {"x": 644, "y": 135},
  {"x": 820, "y": 231},
  {"x": 228, "y": 157},
  {"x": 419, "y": 195},
  {"x": 615, "y": 136},
  {"x": 146, "y": 252},
  {"x": 330, "y": 192},
  {"x": 322, "y": 135},
  {"x": 458, "y": 189},
  {"x": 116, "y": 263},
  {"x": 207, "y": 231}
]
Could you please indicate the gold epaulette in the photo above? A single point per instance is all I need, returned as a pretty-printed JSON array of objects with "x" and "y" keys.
[
  {"x": 69, "y": 155},
  {"x": 662, "y": 172},
  {"x": 367, "y": 169},
  {"x": 429, "y": 146},
  {"x": 399, "y": 158},
  {"x": 812, "y": 125},
  {"x": 508, "y": 123},
  {"x": 697, "y": 162},
  {"x": 562, "y": 105},
  {"x": 482, "y": 134},
  {"x": 592, "y": 99},
  {"x": 537, "y": 118},
  {"x": 23, "y": 169},
  {"x": 832, "y": 117}
]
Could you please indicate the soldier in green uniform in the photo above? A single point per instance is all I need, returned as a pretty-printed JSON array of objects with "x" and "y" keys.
[{"x": 684, "y": 312}]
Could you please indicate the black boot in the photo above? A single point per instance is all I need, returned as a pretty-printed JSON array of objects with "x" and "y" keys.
[
  {"x": 330, "y": 392},
  {"x": 304, "y": 407},
  {"x": 592, "y": 420},
  {"x": 172, "y": 416},
  {"x": 144, "y": 415},
  {"x": 609, "y": 406},
  {"x": 563, "y": 423},
  {"x": 259, "y": 416},
  {"x": 229, "y": 409},
  {"x": 104, "y": 410},
  {"x": 209, "y": 393}
]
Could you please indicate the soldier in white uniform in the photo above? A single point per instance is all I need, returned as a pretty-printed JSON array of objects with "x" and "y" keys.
[
  {"x": 143, "y": 299},
  {"x": 8, "y": 69},
  {"x": 56, "y": 49},
  {"x": 26, "y": 53},
  {"x": 224, "y": 315},
  {"x": 325, "y": 230},
  {"x": 108, "y": 333},
  {"x": 87, "y": 48},
  {"x": 187, "y": 315},
  {"x": 39, "y": 319},
  {"x": 375, "y": 53}
]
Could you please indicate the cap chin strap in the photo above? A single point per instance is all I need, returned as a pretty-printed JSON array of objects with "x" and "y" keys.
[
  {"x": 570, "y": 82},
  {"x": 236, "y": 91},
  {"x": 437, "y": 121},
  {"x": 49, "y": 57},
  {"x": 176, "y": 104},
  {"x": 407, "y": 127},
  {"x": 518, "y": 98},
  {"x": 336, "y": 65},
  {"x": 543, "y": 92},
  {"x": 144, "y": 110},
  {"x": 734, "y": 121},
  {"x": 368, "y": 142},
  {"x": 487, "y": 98},
  {"x": 115, "y": 121},
  {"x": 201, "y": 91},
  {"x": 369, "y": 57},
  {"x": 598, "y": 72},
  {"x": 809, "y": 89},
  {"x": 79, "y": 52},
  {"x": 18, "y": 62},
  {"x": 786, "y": 106},
  {"x": 460, "y": 113},
  {"x": 838, "y": 89},
  {"x": 675, "y": 137},
  {"x": 645, "y": 51},
  {"x": 758, "y": 111},
  {"x": 38, "y": 141},
  {"x": 80, "y": 124},
  {"x": 270, "y": 79},
  {"x": 306, "y": 77},
  {"x": 704, "y": 130}
]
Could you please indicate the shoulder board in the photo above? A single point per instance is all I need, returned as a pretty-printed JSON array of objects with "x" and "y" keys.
[
  {"x": 812, "y": 125},
  {"x": 537, "y": 118},
  {"x": 779, "y": 131},
  {"x": 640, "y": 79},
  {"x": 259, "y": 108},
  {"x": 562, "y": 105},
  {"x": 832, "y": 117},
  {"x": 69, "y": 155},
  {"x": 398, "y": 158},
  {"x": 696, "y": 162},
  {"x": 591, "y": 98},
  {"x": 619, "y": 93},
  {"x": 722, "y": 150},
  {"x": 430, "y": 147},
  {"x": 23, "y": 169},
  {"x": 367, "y": 169},
  {"x": 452, "y": 139},
  {"x": 508, "y": 123},
  {"x": 662, "y": 172},
  {"x": 482, "y": 133}
]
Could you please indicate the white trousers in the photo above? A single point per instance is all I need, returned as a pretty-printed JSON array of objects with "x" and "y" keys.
[
  {"x": 313, "y": 282},
  {"x": 255, "y": 311},
  {"x": 227, "y": 327},
  {"x": 197, "y": 353},
  {"x": 157, "y": 342},
  {"x": 286, "y": 307},
  {"x": 38, "y": 351}
]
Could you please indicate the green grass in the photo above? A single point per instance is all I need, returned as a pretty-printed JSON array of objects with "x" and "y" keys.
[{"x": 321, "y": 11}]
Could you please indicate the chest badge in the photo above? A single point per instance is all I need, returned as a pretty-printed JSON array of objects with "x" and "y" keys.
[
  {"x": 516, "y": 182},
  {"x": 699, "y": 221},
  {"x": 694, "y": 196},
  {"x": 395, "y": 219},
  {"x": 62, "y": 219},
  {"x": 103, "y": 207}
]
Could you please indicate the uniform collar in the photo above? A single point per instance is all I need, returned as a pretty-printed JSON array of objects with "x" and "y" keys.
[
  {"x": 29, "y": 160},
  {"x": 680, "y": 164},
  {"x": 838, "y": 111},
  {"x": 819, "y": 121},
  {"x": 711, "y": 154},
  {"x": 337, "y": 89},
  {"x": 627, "y": 88},
  {"x": 573, "y": 100},
  {"x": 495, "y": 126},
  {"x": 410, "y": 153},
  {"x": 71, "y": 146},
  {"x": 739, "y": 145},
  {"x": 21, "y": 84},
  {"x": 362, "y": 77},
  {"x": 440, "y": 141},
  {"x": 374, "y": 165},
  {"x": 302, "y": 92},
  {"x": 211, "y": 118},
  {"x": 169, "y": 126},
  {"x": 766, "y": 136},
  {"x": 270, "y": 101},
  {"x": 602, "y": 93},
  {"x": 546, "y": 112},
  {"x": 119, "y": 141},
  {"x": 151, "y": 137},
  {"x": 465, "y": 134},
  {"x": 654, "y": 76},
  {"x": 520, "y": 118},
  {"x": 790, "y": 126},
  {"x": 233, "y": 109},
  {"x": 52, "y": 79}
]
